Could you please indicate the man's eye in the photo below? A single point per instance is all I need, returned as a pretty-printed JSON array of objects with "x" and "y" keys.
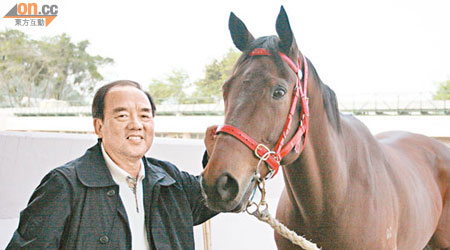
[{"x": 278, "y": 93}]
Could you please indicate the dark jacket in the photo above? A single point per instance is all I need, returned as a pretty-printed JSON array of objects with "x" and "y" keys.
[{"x": 77, "y": 206}]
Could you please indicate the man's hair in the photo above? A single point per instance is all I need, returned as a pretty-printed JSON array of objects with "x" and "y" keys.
[{"x": 98, "y": 105}]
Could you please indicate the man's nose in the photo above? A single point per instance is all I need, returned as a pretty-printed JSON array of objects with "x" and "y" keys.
[{"x": 135, "y": 123}]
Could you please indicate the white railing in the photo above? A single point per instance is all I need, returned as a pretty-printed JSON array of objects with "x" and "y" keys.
[{"x": 363, "y": 104}]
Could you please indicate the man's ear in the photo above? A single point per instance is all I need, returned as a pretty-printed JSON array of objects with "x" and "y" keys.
[{"x": 98, "y": 125}]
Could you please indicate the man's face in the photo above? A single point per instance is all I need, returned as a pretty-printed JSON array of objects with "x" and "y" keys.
[{"x": 127, "y": 129}]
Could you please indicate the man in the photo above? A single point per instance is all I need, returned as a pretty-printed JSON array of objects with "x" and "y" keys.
[{"x": 113, "y": 197}]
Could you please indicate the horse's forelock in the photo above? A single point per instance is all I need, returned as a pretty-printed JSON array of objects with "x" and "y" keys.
[{"x": 269, "y": 43}]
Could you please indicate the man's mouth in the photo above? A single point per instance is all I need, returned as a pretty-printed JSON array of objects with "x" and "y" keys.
[{"x": 135, "y": 138}]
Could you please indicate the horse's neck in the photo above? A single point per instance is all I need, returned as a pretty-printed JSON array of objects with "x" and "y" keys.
[{"x": 318, "y": 177}]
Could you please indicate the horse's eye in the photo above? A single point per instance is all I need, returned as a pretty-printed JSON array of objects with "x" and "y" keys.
[{"x": 278, "y": 93}]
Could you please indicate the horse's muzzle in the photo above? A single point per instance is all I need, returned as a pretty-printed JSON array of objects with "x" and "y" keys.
[{"x": 222, "y": 195}]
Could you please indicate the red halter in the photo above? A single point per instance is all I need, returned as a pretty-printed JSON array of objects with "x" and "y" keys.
[{"x": 274, "y": 157}]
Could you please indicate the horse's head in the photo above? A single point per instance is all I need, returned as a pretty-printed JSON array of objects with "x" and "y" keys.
[{"x": 260, "y": 96}]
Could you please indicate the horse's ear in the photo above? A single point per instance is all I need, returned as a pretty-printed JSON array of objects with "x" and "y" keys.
[
  {"x": 239, "y": 33},
  {"x": 287, "y": 40}
]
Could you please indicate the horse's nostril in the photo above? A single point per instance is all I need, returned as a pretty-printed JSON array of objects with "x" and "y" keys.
[{"x": 227, "y": 187}]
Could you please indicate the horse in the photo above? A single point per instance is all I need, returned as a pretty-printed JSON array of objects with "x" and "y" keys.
[{"x": 344, "y": 187}]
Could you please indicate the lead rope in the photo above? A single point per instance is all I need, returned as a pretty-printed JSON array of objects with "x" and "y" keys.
[{"x": 262, "y": 213}]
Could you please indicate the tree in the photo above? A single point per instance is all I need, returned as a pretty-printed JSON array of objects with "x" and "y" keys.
[
  {"x": 53, "y": 67},
  {"x": 20, "y": 65},
  {"x": 74, "y": 70},
  {"x": 171, "y": 89},
  {"x": 216, "y": 74},
  {"x": 443, "y": 93}
]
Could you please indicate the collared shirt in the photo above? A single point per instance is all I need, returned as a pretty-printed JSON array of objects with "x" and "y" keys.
[{"x": 131, "y": 194}]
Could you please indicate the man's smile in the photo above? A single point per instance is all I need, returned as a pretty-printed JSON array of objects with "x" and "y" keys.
[{"x": 135, "y": 138}]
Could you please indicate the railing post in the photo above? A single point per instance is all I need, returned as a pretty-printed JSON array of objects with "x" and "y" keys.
[{"x": 207, "y": 235}]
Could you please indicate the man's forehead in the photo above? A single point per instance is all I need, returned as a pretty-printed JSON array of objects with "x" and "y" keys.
[{"x": 126, "y": 95}]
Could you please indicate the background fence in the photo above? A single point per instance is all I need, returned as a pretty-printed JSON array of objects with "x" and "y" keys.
[{"x": 359, "y": 104}]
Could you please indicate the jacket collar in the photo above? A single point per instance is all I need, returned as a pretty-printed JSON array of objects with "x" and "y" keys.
[
  {"x": 92, "y": 171},
  {"x": 157, "y": 175}
]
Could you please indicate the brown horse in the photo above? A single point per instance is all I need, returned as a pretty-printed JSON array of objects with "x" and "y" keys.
[{"x": 346, "y": 189}]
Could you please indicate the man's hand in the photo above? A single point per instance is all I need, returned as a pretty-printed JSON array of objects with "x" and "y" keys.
[{"x": 210, "y": 139}]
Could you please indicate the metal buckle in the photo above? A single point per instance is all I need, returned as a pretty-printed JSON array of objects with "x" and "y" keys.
[{"x": 265, "y": 156}]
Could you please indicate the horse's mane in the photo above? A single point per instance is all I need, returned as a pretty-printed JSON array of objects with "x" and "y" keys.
[{"x": 330, "y": 104}]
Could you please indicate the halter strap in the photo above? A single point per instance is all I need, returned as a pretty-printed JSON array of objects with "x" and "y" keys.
[{"x": 274, "y": 157}]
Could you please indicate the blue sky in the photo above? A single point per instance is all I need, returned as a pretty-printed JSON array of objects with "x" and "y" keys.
[{"x": 356, "y": 46}]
